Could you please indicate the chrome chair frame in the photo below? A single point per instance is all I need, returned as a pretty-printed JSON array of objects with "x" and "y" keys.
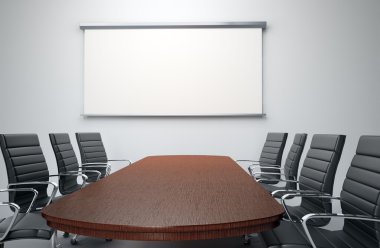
[{"x": 54, "y": 192}]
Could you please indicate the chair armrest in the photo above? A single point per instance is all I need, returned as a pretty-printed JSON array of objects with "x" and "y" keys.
[
  {"x": 53, "y": 193},
  {"x": 90, "y": 171},
  {"x": 280, "y": 180},
  {"x": 257, "y": 175},
  {"x": 107, "y": 166},
  {"x": 268, "y": 173},
  {"x": 121, "y": 160},
  {"x": 35, "y": 192},
  {"x": 247, "y": 160},
  {"x": 95, "y": 164},
  {"x": 253, "y": 167},
  {"x": 304, "y": 193},
  {"x": 84, "y": 177},
  {"x": 14, "y": 217},
  {"x": 331, "y": 216},
  {"x": 300, "y": 191},
  {"x": 262, "y": 165},
  {"x": 271, "y": 167},
  {"x": 264, "y": 180},
  {"x": 16, "y": 207}
]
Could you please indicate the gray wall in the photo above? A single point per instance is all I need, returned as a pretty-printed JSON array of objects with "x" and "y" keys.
[{"x": 321, "y": 74}]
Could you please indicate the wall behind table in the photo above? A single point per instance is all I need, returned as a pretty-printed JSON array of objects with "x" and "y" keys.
[{"x": 321, "y": 74}]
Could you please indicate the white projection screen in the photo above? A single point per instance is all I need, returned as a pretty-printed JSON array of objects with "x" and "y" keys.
[{"x": 173, "y": 70}]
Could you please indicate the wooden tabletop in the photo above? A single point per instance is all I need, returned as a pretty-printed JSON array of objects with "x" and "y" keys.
[{"x": 168, "y": 198}]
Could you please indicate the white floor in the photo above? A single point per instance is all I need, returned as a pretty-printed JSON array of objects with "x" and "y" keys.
[{"x": 87, "y": 242}]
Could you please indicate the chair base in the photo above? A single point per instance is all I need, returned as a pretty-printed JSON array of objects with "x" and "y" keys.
[
  {"x": 247, "y": 239},
  {"x": 74, "y": 240},
  {"x": 54, "y": 242}
]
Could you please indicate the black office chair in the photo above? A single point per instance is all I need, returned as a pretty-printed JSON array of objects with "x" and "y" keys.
[
  {"x": 317, "y": 175},
  {"x": 290, "y": 170},
  {"x": 92, "y": 151},
  {"x": 26, "y": 167},
  {"x": 271, "y": 155},
  {"x": 67, "y": 163},
  {"x": 27, "y": 225},
  {"x": 360, "y": 204}
]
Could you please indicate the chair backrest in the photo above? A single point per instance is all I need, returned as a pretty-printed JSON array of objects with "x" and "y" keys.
[
  {"x": 25, "y": 162},
  {"x": 66, "y": 161},
  {"x": 271, "y": 155},
  {"x": 273, "y": 148},
  {"x": 91, "y": 148},
  {"x": 361, "y": 192},
  {"x": 293, "y": 159},
  {"x": 319, "y": 168}
]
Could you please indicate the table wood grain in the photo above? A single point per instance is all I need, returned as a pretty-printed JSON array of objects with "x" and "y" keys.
[{"x": 168, "y": 198}]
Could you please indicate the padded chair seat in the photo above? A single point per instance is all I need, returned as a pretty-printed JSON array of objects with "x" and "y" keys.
[
  {"x": 276, "y": 169},
  {"x": 27, "y": 226},
  {"x": 286, "y": 233},
  {"x": 292, "y": 235},
  {"x": 297, "y": 212},
  {"x": 92, "y": 177},
  {"x": 71, "y": 189}
]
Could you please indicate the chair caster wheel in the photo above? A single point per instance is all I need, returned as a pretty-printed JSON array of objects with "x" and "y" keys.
[
  {"x": 108, "y": 240},
  {"x": 66, "y": 234},
  {"x": 74, "y": 241},
  {"x": 247, "y": 240}
]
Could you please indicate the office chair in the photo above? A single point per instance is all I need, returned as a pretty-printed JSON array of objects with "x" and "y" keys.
[
  {"x": 290, "y": 170},
  {"x": 26, "y": 167},
  {"x": 25, "y": 225},
  {"x": 360, "y": 204},
  {"x": 317, "y": 176},
  {"x": 67, "y": 163},
  {"x": 92, "y": 150},
  {"x": 271, "y": 156}
]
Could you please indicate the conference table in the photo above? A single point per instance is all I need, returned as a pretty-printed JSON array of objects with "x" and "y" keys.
[{"x": 178, "y": 197}]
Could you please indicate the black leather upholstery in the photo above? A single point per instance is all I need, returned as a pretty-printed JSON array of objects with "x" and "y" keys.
[
  {"x": 291, "y": 163},
  {"x": 92, "y": 151},
  {"x": 91, "y": 148},
  {"x": 318, "y": 173},
  {"x": 293, "y": 159},
  {"x": 25, "y": 162},
  {"x": 66, "y": 162},
  {"x": 361, "y": 190},
  {"x": 27, "y": 226},
  {"x": 360, "y": 195},
  {"x": 271, "y": 155}
]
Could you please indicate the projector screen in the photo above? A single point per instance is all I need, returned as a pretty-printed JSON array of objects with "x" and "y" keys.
[{"x": 198, "y": 70}]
